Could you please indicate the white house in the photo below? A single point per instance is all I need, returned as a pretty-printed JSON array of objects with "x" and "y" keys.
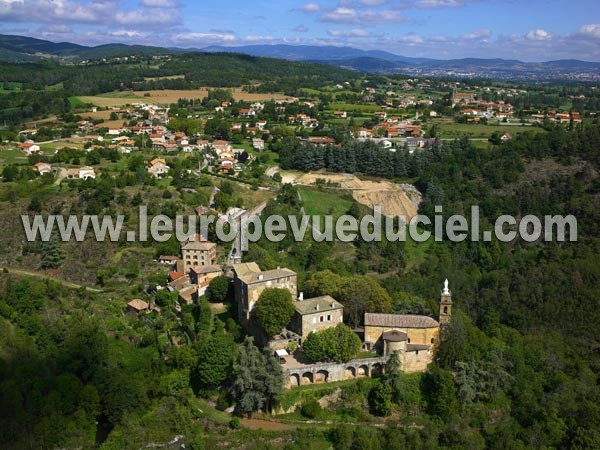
[
  {"x": 29, "y": 147},
  {"x": 42, "y": 168},
  {"x": 258, "y": 144}
]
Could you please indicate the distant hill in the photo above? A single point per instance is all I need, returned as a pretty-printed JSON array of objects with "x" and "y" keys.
[
  {"x": 313, "y": 53},
  {"x": 366, "y": 64},
  {"x": 26, "y": 49}
]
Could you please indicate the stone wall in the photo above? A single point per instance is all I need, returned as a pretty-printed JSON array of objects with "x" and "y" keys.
[
  {"x": 415, "y": 335},
  {"x": 331, "y": 372},
  {"x": 307, "y": 323}
]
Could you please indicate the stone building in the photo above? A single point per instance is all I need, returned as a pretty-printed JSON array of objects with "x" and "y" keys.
[
  {"x": 201, "y": 276},
  {"x": 250, "y": 281},
  {"x": 414, "y": 337},
  {"x": 197, "y": 251},
  {"x": 316, "y": 314}
]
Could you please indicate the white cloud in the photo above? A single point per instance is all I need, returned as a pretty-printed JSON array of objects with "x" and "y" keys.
[
  {"x": 159, "y": 3},
  {"x": 341, "y": 15},
  {"x": 56, "y": 11},
  {"x": 591, "y": 30},
  {"x": 373, "y": 2},
  {"x": 363, "y": 17},
  {"x": 202, "y": 38},
  {"x": 301, "y": 29},
  {"x": 310, "y": 8},
  {"x": 538, "y": 35},
  {"x": 479, "y": 34},
  {"x": 431, "y": 4},
  {"x": 357, "y": 32}
]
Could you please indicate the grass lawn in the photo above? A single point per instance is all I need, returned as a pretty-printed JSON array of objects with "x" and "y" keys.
[
  {"x": 13, "y": 85},
  {"x": 455, "y": 130},
  {"x": 322, "y": 203},
  {"x": 352, "y": 107},
  {"x": 76, "y": 102},
  {"x": 273, "y": 158},
  {"x": 12, "y": 156}
]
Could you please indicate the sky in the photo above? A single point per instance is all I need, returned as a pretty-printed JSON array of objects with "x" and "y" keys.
[{"x": 529, "y": 30}]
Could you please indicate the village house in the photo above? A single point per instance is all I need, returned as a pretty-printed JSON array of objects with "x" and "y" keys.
[
  {"x": 93, "y": 137},
  {"x": 201, "y": 276},
  {"x": 168, "y": 259},
  {"x": 247, "y": 113},
  {"x": 462, "y": 97},
  {"x": 158, "y": 167},
  {"x": 136, "y": 305},
  {"x": 340, "y": 114},
  {"x": 261, "y": 124},
  {"x": 316, "y": 314},
  {"x": 197, "y": 251},
  {"x": 321, "y": 140},
  {"x": 363, "y": 133},
  {"x": 164, "y": 146},
  {"x": 83, "y": 173},
  {"x": 29, "y": 147},
  {"x": 28, "y": 132},
  {"x": 250, "y": 281},
  {"x": 42, "y": 168},
  {"x": 258, "y": 144}
]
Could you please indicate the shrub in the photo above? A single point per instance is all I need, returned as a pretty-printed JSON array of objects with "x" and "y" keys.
[
  {"x": 312, "y": 409},
  {"x": 235, "y": 423}
]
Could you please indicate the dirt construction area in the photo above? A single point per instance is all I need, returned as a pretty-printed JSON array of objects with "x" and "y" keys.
[{"x": 394, "y": 199}]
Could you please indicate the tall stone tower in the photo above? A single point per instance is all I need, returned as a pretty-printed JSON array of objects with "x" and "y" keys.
[{"x": 445, "y": 305}]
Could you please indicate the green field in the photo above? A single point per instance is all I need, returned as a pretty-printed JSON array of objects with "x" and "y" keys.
[
  {"x": 453, "y": 130},
  {"x": 12, "y": 156},
  {"x": 76, "y": 102},
  {"x": 13, "y": 86},
  {"x": 352, "y": 107},
  {"x": 324, "y": 203}
]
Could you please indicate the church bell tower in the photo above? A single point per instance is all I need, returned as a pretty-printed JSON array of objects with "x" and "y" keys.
[{"x": 445, "y": 305}]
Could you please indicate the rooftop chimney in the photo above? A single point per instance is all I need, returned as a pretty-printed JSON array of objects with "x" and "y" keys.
[
  {"x": 260, "y": 276},
  {"x": 301, "y": 296}
]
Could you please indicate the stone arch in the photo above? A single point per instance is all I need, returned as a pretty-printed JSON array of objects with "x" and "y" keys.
[
  {"x": 307, "y": 378},
  {"x": 321, "y": 376},
  {"x": 363, "y": 371},
  {"x": 376, "y": 370},
  {"x": 294, "y": 380},
  {"x": 349, "y": 373}
]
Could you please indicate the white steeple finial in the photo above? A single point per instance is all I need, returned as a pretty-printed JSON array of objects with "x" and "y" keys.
[{"x": 446, "y": 291}]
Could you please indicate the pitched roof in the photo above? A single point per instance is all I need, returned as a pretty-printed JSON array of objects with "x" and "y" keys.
[
  {"x": 400, "y": 320},
  {"x": 242, "y": 268},
  {"x": 395, "y": 336},
  {"x": 197, "y": 242},
  {"x": 416, "y": 347},
  {"x": 176, "y": 275},
  {"x": 137, "y": 304},
  {"x": 206, "y": 269},
  {"x": 317, "y": 304},
  {"x": 250, "y": 273}
]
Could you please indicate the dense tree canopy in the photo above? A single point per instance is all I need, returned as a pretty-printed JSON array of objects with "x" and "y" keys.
[{"x": 274, "y": 309}]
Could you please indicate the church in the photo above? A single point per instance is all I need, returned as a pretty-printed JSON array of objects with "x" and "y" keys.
[{"x": 413, "y": 337}]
